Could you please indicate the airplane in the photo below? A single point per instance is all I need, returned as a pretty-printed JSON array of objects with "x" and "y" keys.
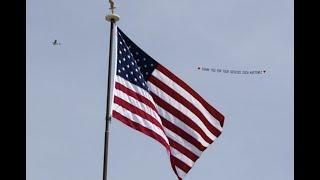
[{"x": 55, "y": 42}]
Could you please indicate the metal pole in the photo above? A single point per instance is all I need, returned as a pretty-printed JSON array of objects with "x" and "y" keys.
[
  {"x": 112, "y": 18},
  {"x": 108, "y": 117}
]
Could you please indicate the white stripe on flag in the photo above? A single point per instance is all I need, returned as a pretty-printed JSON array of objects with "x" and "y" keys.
[
  {"x": 134, "y": 88},
  {"x": 181, "y": 108},
  {"x": 143, "y": 122},
  {"x": 181, "y": 156},
  {"x": 137, "y": 104},
  {"x": 166, "y": 80},
  {"x": 181, "y": 173},
  {"x": 168, "y": 116},
  {"x": 182, "y": 142}
]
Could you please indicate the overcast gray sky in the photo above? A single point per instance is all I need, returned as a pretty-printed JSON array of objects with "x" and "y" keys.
[{"x": 66, "y": 86}]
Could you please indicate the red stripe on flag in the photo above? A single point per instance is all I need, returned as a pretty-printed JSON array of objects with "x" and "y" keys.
[
  {"x": 174, "y": 168},
  {"x": 135, "y": 95},
  {"x": 180, "y": 164},
  {"x": 140, "y": 128},
  {"x": 137, "y": 111},
  {"x": 182, "y": 134},
  {"x": 183, "y": 150},
  {"x": 180, "y": 116},
  {"x": 186, "y": 103},
  {"x": 177, "y": 80}
]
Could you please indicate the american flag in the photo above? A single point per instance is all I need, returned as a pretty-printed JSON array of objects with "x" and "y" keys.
[{"x": 154, "y": 101}]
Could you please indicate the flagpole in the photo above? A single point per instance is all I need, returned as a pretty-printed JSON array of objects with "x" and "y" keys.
[{"x": 112, "y": 18}]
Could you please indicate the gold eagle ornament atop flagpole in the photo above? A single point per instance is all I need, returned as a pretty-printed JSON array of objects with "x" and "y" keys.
[
  {"x": 112, "y": 17},
  {"x": 111, "y": 5}
]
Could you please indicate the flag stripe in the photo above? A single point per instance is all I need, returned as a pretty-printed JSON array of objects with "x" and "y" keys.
[
  {"x": 180, "y": 164},
  {"x": 181, "y": 157},
  {"x": 144, "y": 122},
  {"x": 134, "y": 88},
  {"x": 182, "y": 141},
  {"x": 137, "y": 111},
  {"x": 208, "y": 136},
  {"x": 137, "y": 104},
  {"x": 185, "y": 103},
  {"x": 191, "y": 123},
  {"x": 212, "y": 110},
  {"x": 137, "y": 96},
  {"x": 182, "y": 92},
  {"x": 140, "y": 128},
  {"x": 183, "y": 150},
  {"x": 182, "y": 134},
  {"x": 168, "y": 116},
  {"x": 180, "y": 173}
]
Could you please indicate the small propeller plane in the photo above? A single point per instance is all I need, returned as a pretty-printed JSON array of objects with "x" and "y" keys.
[{"x": 56, "y": 43}]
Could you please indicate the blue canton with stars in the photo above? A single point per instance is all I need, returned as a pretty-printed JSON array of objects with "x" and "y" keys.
[{"x": 133, "y": 64}]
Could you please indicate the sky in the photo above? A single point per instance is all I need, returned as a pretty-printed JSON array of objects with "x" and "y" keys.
[{"x": 66, "y": 86}]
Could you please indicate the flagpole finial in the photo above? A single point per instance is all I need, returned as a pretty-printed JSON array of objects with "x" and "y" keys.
[{"x": 112, "y": 17}]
